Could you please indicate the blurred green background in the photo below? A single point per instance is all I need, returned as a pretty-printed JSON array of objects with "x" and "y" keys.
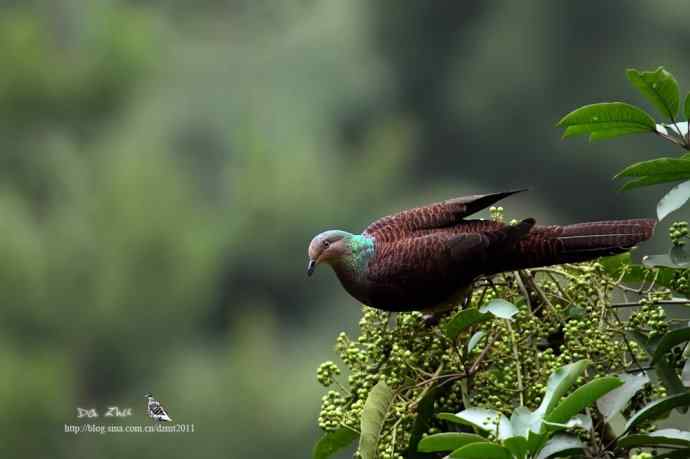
[{"x": 164, "y": 164}]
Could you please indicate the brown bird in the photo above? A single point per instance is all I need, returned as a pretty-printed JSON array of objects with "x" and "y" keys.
[{"x": 426, "y": 258}]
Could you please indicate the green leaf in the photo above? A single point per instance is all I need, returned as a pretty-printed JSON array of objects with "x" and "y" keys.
[
  {"x": 333, "y": 442},
  {"x": 605, "y": 120},
  {"x": 659, "y": 260},
  {"x": 522, "y": 420},
  {"x": 673, "y": 200},
  {"x": 452, "y": 417},
  {"x": 487, "y": 420},
  {"x": 616, "y": 424},
  {"x": 474, "y": 340},
  {"x": 463, "y": 320},
  {"x": 611, "y": 133},
  {"x": 667, "y": 437},
  {"x": 422, "y": 422},
  {"x": 657, "y": 409},
  {"x": 676, "y": 454},
  {"x": 654, "y": 180},
  {"x": 481, "y": 451},
  {"x": 448, "y": 441},
  {"x": 582, "y": 397},
  {"x": 685, "y": 374},
  {"x": 558, "y": 384},
  {"x": 668, "y": 375},
  {"x": 687, "y": 107},
  {"x": 660, "y": 166},
  {"x": 669, "y": 340},
  {"x": 615, "y": 265},
  {"x": 500, "y": 308},
  {"x": 561, "y": 443},
  {"x": 615, "y": 401},
  {"x": 581, "y": 421},
  {"x": 517, "y": 446},
  {"x": 659, "y": 87},
  {"x": 536, "y": 441},
  {"x": 373, "y": 416}
]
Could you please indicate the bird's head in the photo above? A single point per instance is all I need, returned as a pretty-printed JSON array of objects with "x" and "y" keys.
[
  {"x": 327, "y": 247},
  {"x": 148, "y": 395}
]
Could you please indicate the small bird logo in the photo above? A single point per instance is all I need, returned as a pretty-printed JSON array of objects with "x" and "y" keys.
[{"x": 155, "y": 410}]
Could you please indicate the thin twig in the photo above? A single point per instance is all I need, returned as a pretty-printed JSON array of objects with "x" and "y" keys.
[
  {"x": 627, "y": 342},
  {"x": 636, "y": 303},
  {"x": 540, "y": 292},
  {"x": 524, "y": 291},
  {"x": 516, "y": 355},
  {"x": 475, "y": 365}
]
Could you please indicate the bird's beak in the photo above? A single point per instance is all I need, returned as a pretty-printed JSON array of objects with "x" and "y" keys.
[{"x": 311, "y": 267}]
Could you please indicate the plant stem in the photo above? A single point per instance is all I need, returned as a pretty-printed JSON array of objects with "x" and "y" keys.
[
  {"x": 516, "y": 355},
  {"x": 636, "y": 303}
]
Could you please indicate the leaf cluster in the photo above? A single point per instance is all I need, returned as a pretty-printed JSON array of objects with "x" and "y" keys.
[{"x": 613, "y": 119}]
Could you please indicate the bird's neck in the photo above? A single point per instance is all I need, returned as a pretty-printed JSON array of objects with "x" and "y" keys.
[{"x": 353, "y": 264}]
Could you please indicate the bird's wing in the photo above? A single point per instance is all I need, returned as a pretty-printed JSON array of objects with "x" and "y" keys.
[
  {"x": 440, "y": 255},
  {"x": 438, "y": 215},
  {"x": 408, "y": 265}
]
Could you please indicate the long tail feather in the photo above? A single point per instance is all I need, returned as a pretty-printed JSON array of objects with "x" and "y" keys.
[{"x": 551, "y": 245}]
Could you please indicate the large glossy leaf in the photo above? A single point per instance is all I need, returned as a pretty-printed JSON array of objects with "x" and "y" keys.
[
  {"x": 487, "y": 420},
  {"x": 668, "y": 375},
  {"x": 333, "y": 442},
  {"x": 522, "y": 420},
  {"x": 517, "y": 446},
  {"x": 659, "y": 87},
  {"x": 500, "y": 308},
  {"x": 670, "y": 437},
  {"x": 558, "y": 384},
  {"x": 605, "y": 120},
  {"x": 660, "y": 166},
  {"x": 685, "y": 374},
  {"x": 582, "y": 397},
  {"x": 673, "y": 200},
  {"x": 676, "y": 454},
  {"x": 452, "y": 417},
  {"x": 616, "y": 424},
  {"x": 422, "y": 422},
  {"x": 561, "y": 443},
  {"x": 662, "y": 260},
  {"x": 481, "y": 451},
  {"x": 474, "y": 340},
  {"x": 463, "y": 320},
  {"x": 581, "y": 421},
  {"x": 671, "y": 339},
  {"x": 654, "y": 180},
  {"x": 658, "y": 409},
  {"x": 373, "y": 416},
  {"x": 448, "y": 441},
  {"x": 615, "y": 401}
]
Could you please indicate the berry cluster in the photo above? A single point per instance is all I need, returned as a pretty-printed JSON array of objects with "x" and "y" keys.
[
  {"x": 650, "y": 319},
  {"x": 678, "y": 232}
]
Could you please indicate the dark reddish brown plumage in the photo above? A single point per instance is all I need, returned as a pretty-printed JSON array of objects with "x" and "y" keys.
[{"x": 423, "y": 257}]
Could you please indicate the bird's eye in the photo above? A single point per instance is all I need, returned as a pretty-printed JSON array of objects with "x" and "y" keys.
[{"x": 326, "y": 244}]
